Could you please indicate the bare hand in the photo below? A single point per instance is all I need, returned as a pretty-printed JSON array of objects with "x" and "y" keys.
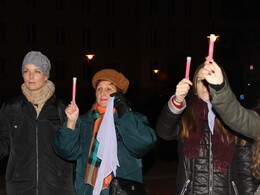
[
  {"x": 212, "y": 72},
  {"x": 72, "y": 113},
  {"x": 182, "y": 90}
]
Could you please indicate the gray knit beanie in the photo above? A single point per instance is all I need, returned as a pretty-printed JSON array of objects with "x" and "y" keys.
[{"x": 39, "y": 60}]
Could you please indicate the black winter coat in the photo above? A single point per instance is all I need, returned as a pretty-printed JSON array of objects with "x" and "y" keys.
[
  {"x": 33, "y": 168},
  {"x": 197, "y": 176}
]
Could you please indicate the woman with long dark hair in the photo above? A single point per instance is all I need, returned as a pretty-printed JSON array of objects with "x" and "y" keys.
[{"x": 208, "y": 151}]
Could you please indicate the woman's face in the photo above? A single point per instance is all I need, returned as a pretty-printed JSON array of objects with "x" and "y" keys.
[
  {"x": 33, "y": 77},
  {"x": 201, "y": 89},
  {"x": 103, "y": 91}
]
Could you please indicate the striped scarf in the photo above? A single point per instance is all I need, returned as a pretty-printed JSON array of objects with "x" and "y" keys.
[{"x": 93, "y": 161}]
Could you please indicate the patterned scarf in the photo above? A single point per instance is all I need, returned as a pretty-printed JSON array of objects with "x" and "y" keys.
[
  {"x": 223, "y": 152},
  {"x": 38, "y": 99},
  {"x": 93, "y": 161}
]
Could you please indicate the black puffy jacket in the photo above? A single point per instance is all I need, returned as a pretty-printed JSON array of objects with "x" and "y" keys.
[
  {"x": 197, "y": 176},
  {"x": 33, "y": 167}
]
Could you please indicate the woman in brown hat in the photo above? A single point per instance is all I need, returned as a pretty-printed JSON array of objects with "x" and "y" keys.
[{"x": 100, "y": 141}]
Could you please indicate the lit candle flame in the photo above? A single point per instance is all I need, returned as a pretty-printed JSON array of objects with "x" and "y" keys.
[{"x": 213, "y": 37}]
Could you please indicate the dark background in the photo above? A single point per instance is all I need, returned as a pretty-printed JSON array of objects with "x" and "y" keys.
[{"x": 133, "y": 37}]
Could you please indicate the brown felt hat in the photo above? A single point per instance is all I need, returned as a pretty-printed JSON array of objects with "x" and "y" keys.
[{"x": 117, "y": 78}]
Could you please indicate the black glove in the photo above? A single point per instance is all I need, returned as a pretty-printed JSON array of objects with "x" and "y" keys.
[{"x": 120, "y": 103}]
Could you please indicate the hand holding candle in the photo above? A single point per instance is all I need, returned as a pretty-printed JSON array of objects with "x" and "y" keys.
[
  {"x": 212, "y": 39},
  {"x": 74, "y": 83},
  {"x": 187, "y": 72}
]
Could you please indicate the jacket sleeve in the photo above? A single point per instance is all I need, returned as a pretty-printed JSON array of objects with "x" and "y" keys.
[
  {"x": 4, "y": 134},
  {"x": 136, "y": 134},
  {"x": 67, "y": 142},
  {"x": 237, "y": 117},
  {"x": 168, "y": 123}
]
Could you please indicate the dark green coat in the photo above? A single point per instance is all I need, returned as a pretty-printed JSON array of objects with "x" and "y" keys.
[{"x": 136, "y": 139}]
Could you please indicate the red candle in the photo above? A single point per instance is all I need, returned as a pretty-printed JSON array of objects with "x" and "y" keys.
[
  {"x": 74, "y": 83},
  {"x": 212, "y": 39},
  {"x": 187, "y": 72}
]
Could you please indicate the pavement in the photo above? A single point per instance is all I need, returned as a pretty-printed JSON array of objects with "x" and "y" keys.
[{"x": 159, "y": 170}]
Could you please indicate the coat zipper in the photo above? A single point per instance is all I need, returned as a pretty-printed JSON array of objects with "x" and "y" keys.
[
  {"x": 235, "y": 188},
  {"x": 184, "y": 189},
  {"x": 37, "y": 159}
]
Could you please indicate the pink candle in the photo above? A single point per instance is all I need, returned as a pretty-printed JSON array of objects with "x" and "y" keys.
[
  {"x": 187, "y": 72},
  {"x": 74, "y": 89},
  {"x": 212, "y": 39}
]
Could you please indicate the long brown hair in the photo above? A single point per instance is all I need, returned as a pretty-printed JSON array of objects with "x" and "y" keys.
[{"x": 188, "y": 117}]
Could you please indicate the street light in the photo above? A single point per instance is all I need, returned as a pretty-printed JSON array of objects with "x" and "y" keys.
[
  {"x": 89, "y": 65},
  {"x": 90, "y": 56},
  {"x": 155, "y": 71},
  {"x": 156, "y": 75}
]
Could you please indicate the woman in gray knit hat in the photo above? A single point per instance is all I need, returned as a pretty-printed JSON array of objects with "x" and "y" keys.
[{"x": 27, "y": 127}]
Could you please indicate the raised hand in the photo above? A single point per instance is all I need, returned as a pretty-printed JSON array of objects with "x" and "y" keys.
[
  {"x": 212, "y": 72},
  {"x": 182, "y": 90},
  {"x": 72, "y": 113}
]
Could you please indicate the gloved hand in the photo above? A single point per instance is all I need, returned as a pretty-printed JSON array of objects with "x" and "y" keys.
[{"x": 120, "y": 103}]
